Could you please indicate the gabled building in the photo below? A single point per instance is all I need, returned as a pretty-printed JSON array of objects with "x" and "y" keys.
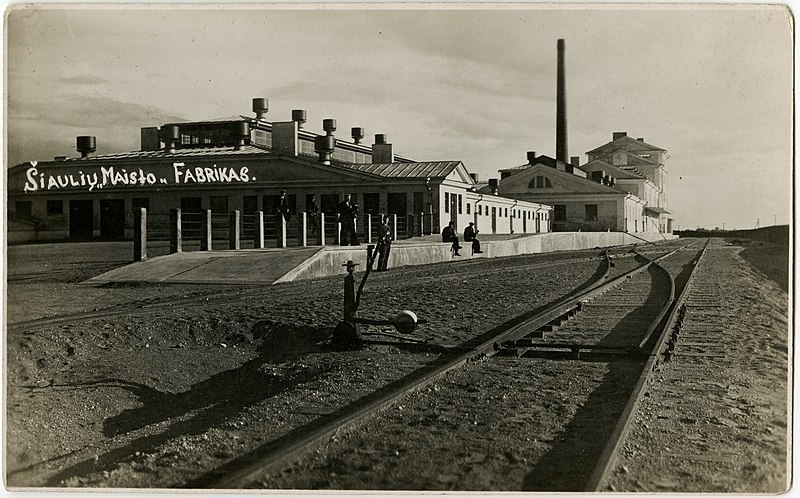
[{"x": 241, "y": 164}]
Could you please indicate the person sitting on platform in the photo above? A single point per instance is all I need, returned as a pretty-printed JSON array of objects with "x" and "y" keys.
[
  {"x": 471, "y": 235},
  {"x": 449, "y": 235}
]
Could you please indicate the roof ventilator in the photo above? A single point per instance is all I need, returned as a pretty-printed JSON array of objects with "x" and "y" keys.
[
  {"x": 241, "y": 130},
  {"x": 299, "y": 115},
  {"x": 86, "y": 145},
  {"x": 325, "y": 144},
  {"x": 260, "y": 107},
  {"x": 170, "y": 134},
  {"x": 357, "y": 134}
]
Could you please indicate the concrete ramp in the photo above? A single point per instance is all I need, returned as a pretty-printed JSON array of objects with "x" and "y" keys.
[{"x": 251, "y": 266}]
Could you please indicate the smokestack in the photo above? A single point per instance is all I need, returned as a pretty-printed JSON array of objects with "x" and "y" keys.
[{"x": 562, "y": 153}]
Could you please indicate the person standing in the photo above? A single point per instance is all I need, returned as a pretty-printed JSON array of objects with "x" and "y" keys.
[
  {"x": 312, "y": 211},
  {"x": 449, "y": 235},
  {"x": 471, "y": 235},
  {"x": 283, "y": 206},
  {"x": 384, "y": 243},
  {"x": 347, "y": 217}
]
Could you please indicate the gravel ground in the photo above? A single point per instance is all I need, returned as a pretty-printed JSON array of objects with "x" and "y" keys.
[{"x": 155, "y": 399}]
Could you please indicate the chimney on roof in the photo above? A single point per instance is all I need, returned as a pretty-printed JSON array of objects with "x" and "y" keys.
[
  {"x": 382, "y": 152},
  {"x": 299, "y": 117},
  {"x": 531, "y": 157},
  {"x": 493, "y": 185},
  {"x": 150, "y": 140},
  {"x": 618, "y": 134},
  {"x": 86, "y": 145},
  {"x": 561, "y": 107},
  {"x": 170, "y": 134},
  {"x": 575, "y": 161},
  {"x": 640, "y": 139},
  {"x": 260, "y": 107},
  {"x": 474, "y": 177},
  {"x": 357, "y": 134},
  {"x": 597, "y": 176},
  {"x": 284, "y": 138}
]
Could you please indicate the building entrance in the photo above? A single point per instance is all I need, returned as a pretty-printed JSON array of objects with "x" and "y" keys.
[
  {"x": 112, "y": 219},
  {"x": 81, "y": 214}
]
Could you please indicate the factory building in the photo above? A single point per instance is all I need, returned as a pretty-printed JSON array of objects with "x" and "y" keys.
[{"x": 241, "y": 164}]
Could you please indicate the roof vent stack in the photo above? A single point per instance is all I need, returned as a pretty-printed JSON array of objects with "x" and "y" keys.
[
  {"x": 260, "y": 107},
  {"x": 86, "y": 145},
  {"x": 170, "y": 134},
  {"x": 324, "y": 145},
  {"x": 531, "y": 157},
  {"x": 241, "y": 131},
  {"x": 357, "y": 134},
  {"x": 299, "y": 115},
  {"x": 493, "y": 185}
]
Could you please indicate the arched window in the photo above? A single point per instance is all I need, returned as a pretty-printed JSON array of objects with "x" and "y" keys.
[{"x": 540, "y": 182}]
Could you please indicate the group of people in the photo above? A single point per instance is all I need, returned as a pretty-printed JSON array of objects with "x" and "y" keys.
[
  {"x": 470, "y": 235},
  {"x": 347, "y": 212}
]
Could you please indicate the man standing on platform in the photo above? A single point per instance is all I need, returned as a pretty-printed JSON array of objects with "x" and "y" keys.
[
  {"x": 312, "y": 211},
  {"x": 283, "y": 206},
  {"x": 347, "y": 217},
  {"x": 384, "y": 243}
]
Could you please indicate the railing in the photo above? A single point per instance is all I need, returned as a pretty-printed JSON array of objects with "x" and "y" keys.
[{"x": 207, "y": 231}]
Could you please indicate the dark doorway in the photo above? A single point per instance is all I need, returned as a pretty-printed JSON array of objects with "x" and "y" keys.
[
  {"x": 81, "y": 214},
  {"x": 494, "y": 219},
  {"x": 191, "y": 204},
  {"x": 112, "y": 219},
  {"x": 372, "y": 203},
  {"x": 249, "y": 204},
  {"x": 396, "y": 203},
  {"x": 329, "y": 203}
]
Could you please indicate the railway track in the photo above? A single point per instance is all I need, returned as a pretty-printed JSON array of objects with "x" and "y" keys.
[
  {"x": 201, "y": 298},
  {"x": 638, "y": 300}
]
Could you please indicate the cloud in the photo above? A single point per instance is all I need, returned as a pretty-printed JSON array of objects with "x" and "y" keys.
[{"x": 82, "y": 80}]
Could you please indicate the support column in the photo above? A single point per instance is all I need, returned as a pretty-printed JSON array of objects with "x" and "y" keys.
[
  {"x": 369, "y": 228},
  {"x": 303, "y": 229},
  {"x": 321, "y": 231},
  {"x": 421, "y": 227},
  {"x": 139, "y": 234},
  {"x": 338, "y": 235},
  {"x": 281, "y": 227},
  {"x": 205, "y": 230},
  {"x": 175, "y": 232},
  {"x": 258, "y": 230},
  {"x": 393, "y": 225},
  {"x": 233, "y": 231}
]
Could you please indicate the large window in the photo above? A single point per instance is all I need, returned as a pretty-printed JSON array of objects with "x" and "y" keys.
[
  {"x": 447, "y": 202},
  {"x": 55, "y": 207},
  {"x": 540, "y": 181},
  {"x": 591, "y": 212},
  {"x": 559, "y": 212}
]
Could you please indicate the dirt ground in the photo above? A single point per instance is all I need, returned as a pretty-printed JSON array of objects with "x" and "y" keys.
[{"x": 153, "y": 399}]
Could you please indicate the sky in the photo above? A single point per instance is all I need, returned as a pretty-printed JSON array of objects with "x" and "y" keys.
[{"x": 711, "y": 85}]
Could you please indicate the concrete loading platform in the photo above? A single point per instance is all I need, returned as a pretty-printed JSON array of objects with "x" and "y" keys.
[{"x": 272, "y": 266}]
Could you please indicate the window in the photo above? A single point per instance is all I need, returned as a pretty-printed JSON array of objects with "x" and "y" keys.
[
  {"x": 447, "y": 202},
  {"x": 506, "y": 213},
  {"x": 459, "y": 203},
  {"x": 559, "y": 212},
  {"x": 480, "y": 209},
  {"x": 140, "y": 202},
  {"x": 540, "y": 182},
  {"x": 218, "y": 204},
  {"x": 468, "y": 212},
  {"x": 55, "y": 207},
  {"x": 24, "y": 209},
  {"x": 591, "y": 212}
]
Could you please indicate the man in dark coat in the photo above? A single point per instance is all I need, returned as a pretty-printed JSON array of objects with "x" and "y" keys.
[
  {"x": 347, "y": 217},
  {"x": 384, "y": 243},
  {"x": 471, "y": 235},
  {"x": 449, "y": 235},
  {"x": 283, "y": 206},
  {"x": 312, "y": 213}
]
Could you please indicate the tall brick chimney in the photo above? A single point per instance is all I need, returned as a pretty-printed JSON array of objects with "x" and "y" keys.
[{"x": 562, "y": 153}]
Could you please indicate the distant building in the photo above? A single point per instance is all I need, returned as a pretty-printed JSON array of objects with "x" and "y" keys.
[
  {"x": 622, "y": 188},
  {"x": 242, "y": 163}
]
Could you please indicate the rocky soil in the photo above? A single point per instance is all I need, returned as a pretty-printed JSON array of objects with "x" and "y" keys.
[{"x": 155, "y": 399}]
